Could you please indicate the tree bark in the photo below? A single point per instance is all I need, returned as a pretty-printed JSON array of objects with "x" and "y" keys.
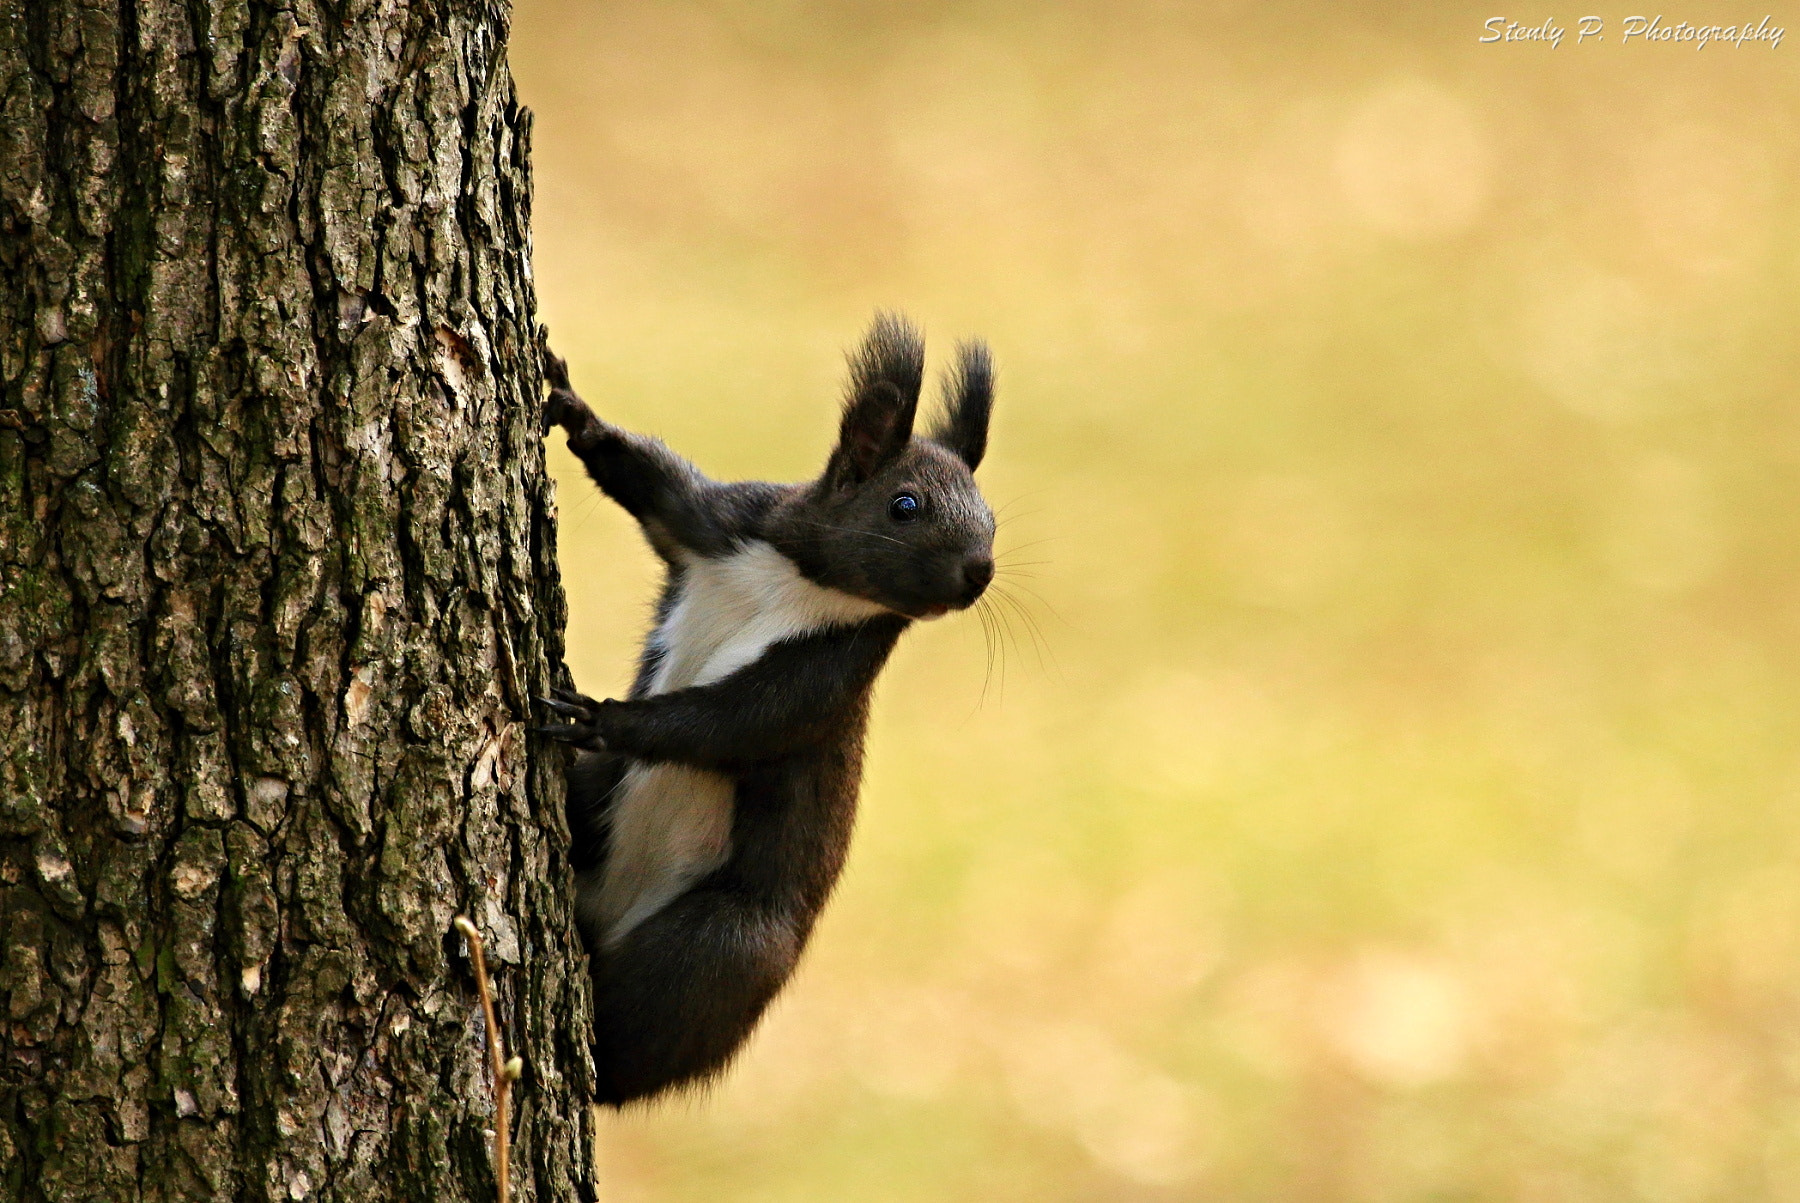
[{"x": 278, "y": 557}]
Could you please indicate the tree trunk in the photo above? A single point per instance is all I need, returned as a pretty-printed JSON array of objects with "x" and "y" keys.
[{"x": 279, "y": 577}]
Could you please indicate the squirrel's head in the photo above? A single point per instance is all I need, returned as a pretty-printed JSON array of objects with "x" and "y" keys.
[{"x": 897, "y": 519}]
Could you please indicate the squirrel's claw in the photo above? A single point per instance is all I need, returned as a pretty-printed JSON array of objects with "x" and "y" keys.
[
  {"x": 568, "y": 709},
  {"x": 578, "y": 735},
  {"x": 581, "y": 710}
]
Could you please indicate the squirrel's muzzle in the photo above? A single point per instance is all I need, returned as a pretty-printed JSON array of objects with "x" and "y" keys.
[{"x": 976, "y": 575}]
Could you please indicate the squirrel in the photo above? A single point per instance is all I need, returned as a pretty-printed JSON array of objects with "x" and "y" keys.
[{"x": 710, "y": 810}]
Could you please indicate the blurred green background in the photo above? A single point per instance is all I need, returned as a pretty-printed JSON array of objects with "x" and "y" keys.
[{"x": 1386, "y": 782}]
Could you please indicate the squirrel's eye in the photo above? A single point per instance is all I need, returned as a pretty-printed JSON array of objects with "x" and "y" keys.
[{"x": 904, "y": 508}]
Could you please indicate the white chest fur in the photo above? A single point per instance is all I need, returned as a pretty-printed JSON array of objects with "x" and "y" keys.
[{"x": 671, "y": 823}]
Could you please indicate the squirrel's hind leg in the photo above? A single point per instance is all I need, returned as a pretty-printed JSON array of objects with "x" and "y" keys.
[{"x": 676, "y": 998}]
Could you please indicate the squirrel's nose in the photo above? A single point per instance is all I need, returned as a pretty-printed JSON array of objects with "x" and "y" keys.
[{"x": 977, "y": 574}]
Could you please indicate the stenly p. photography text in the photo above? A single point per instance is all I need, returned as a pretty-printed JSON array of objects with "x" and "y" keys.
[{"x": 1635, "y": 31}]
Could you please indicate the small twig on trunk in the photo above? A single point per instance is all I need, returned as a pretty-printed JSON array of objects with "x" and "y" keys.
[{"x": 506, "y": 1071}]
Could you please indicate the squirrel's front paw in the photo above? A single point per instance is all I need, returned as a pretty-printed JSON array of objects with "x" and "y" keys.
[
  {"x": 556, "y": 375},
  {"x": 562, "y": 407},
  {"x": 583, "y": 715},
  {"x": 556, "y": 370}
]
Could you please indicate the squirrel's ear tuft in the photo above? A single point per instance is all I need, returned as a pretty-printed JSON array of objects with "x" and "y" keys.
[
  {"x": 885, "y": 375},
  {"x": 968, "y": 400}
]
